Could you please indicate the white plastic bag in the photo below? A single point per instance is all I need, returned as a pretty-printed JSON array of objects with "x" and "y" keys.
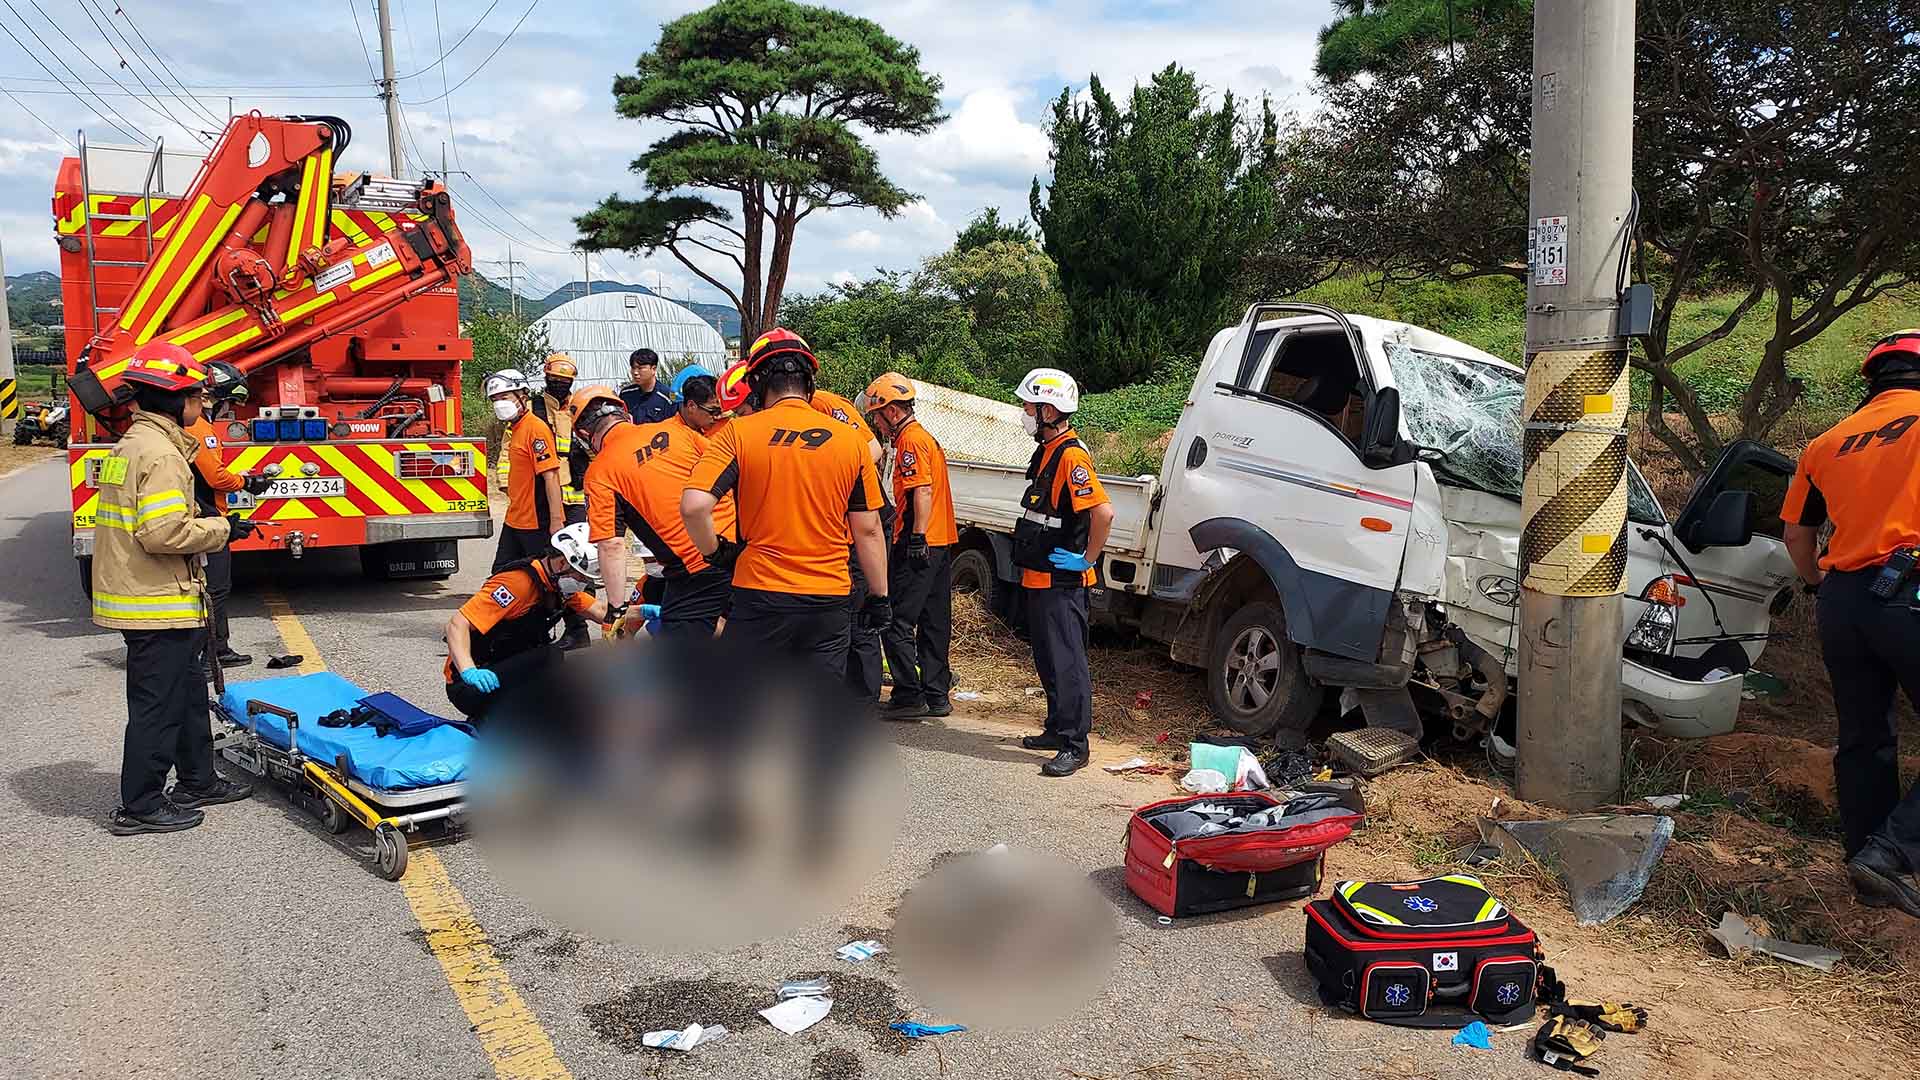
[{"x": 1205, "y": 782}]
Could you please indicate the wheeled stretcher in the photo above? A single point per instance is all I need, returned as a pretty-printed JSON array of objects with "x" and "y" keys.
[{"x": 404, "y": 789}]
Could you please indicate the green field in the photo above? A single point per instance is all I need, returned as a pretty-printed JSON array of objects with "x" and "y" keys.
[{"x": 36, "y": 381}]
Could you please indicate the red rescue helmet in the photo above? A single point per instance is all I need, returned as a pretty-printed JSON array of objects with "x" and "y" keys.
[
  {"x": 732, "y": 386},
  {"x": 780, "y": 348},
  {"x": 165, "y": 366},
  {"x": 1900, "y": 348}
]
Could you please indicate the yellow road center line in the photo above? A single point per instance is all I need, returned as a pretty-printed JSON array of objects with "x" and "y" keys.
[{"x": 511, "y": 1035}]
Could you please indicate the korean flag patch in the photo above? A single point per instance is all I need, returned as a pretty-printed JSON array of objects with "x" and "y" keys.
[
  {"x": 1446, "y": 961},
  {"x": 1080, "y": 474},
  {"x": 503, "y": 596}
]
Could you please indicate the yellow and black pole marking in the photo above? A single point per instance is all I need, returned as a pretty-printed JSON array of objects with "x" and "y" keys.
[
  {"x": 9, "y": 399},
  {"x": 1574, "y": 504}
]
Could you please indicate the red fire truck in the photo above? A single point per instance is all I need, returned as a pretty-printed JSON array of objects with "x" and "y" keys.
[{"x": 334, "y": 293}]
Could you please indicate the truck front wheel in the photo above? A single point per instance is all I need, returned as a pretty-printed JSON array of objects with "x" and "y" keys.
[
  {"x": 1255, "y": 682},
  {"x": 973, "y": 574}
]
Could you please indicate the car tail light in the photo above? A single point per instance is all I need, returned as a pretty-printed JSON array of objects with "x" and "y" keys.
[{"x": 433, "y": 464}]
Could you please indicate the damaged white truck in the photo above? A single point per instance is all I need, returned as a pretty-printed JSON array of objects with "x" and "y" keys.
[{"x": 1338, "y": 513}]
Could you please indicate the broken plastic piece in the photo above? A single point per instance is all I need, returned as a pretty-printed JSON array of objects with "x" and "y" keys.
[
  {"x": 1664, "y": 802},
  {"x": 686, "y": 1039},
  {"x": 1738, "y": 938},
  {"x": 1605, "y": 859}
]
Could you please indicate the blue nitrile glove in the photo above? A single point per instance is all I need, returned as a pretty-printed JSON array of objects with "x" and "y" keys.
[
  {"x": 650, "y": 612},
  {"x": 1062, "y": 559},
  {"x": 920, "y": 1031},
  {"x": 481, "y": 679}
]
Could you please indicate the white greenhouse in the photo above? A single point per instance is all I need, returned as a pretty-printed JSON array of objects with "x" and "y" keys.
[{"x": 602, "y": 330}]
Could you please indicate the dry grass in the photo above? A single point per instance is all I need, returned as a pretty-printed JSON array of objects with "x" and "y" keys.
[{"x": 19, "y": 457}]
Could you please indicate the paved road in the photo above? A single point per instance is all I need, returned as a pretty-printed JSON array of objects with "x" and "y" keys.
[{"x": 255, "y": 946}]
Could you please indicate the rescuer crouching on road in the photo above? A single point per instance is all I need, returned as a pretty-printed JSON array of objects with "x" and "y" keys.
[
  {"x": 503, "y": 635},
  {"x": 1065, "y": 516},
  {"x": 805, "y": 489},
  {"x": 1863, "y": 474},
  {"x": 148, "y": 584}
]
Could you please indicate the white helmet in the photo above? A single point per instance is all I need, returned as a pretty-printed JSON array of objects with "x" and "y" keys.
[
  {"x": 505, "y": 381},
  {"x": 1050, "y": 386},
  {"x": 573, "y": 545}
]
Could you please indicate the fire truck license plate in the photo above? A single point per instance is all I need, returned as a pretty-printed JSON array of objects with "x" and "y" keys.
[{"x": 307, "y": 487}]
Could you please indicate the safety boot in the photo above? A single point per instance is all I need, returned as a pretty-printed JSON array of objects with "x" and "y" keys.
[
  {"x": 222, "y": 790},
  {"x": 1882, "y": 878},
  {"x": 168, "y": 818}
]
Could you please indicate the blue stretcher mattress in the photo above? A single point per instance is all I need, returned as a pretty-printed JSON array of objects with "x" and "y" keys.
[{"x": 381, "y": 762}]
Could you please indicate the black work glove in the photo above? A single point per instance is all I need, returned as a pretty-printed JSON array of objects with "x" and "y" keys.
[
  {"x": 918, "y": 556},
  {"x": 1621, "y": 1016},
  {"x": 1566, "y": 1044},
  {"x": 239, "y": 528},
  {"x": 726, "y": 554},
  {"x": 876, "y": 614},
  {"x": 257, "y": 484}
]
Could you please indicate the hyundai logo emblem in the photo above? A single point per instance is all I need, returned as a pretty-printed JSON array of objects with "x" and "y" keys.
[{"x": 1499, "y": 588}]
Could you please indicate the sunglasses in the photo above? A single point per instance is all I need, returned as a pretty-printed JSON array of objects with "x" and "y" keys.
[{"x": 714, "y": 411}]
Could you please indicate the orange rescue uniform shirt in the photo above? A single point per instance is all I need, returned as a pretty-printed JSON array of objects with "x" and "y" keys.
[
  {"x": 1075, "y": 477},
  {"x": 795, "y": 478},
  {"x": 919, "y": 462},
  {"x": 1864, "y": 474},
  {"x": 510, "y": 594},
  {"x": 635, "y": 482},
  {"x": 530, "y": 451},
  {"x": 828, "y": 403},
  {"x": 207, "y": 461}
]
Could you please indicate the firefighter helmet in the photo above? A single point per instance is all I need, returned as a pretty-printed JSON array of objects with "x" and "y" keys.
[
  {"x": 592, "y": 404},
  {"x": 573, "y": 544},
  {"x": 505, "y": 381},
  {"x": 1050, "y": 386},
  {"x": 561, "y": 366},
  {"x": 691, "y": 371},
  {"x": 733, "y": 386},
  {"x": 165, "y": 366},
  {"x": 1898, "y": 351},
  {"x": 886, "y": 390},
  {"x": 780, "y": 349},
  {"x": 226, "y": 382}
]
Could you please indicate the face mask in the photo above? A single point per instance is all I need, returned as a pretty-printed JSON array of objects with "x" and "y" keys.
[
  {"x": 508, "y": 411},
  {"x": 1031, "y": 423},
  {"x": 568, "y": 586}
]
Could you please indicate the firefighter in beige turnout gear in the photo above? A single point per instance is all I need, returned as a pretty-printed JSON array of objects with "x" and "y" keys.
[
  {"x": 551, "y": 405},
  {"x": 148, "y": 583}
]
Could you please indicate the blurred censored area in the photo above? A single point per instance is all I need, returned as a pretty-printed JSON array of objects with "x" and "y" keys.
[
  {"x": 684, "y": 796},
  {"x": 1005, "y": 939}
]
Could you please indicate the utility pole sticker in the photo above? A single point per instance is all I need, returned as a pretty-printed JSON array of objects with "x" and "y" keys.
[{"x": 1550, "y": 251}]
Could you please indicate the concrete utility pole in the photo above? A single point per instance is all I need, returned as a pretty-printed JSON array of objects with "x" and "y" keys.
[
  {"x": 9, "y": 390},
  {"x": 1573, "y": 546},
  {"x": 389, "y": 95},
  {"x": 513, "y": 295},
  {"x": 587, "y": 264}
]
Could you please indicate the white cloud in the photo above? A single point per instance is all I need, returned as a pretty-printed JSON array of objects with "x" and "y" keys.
[
  {"x": 864, "y": 240},
  {"x": 843, "y": 277},
  {"x": 986, "y": 135}
]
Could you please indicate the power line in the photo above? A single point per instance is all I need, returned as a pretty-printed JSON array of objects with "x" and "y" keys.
[
  {"x": 86, "y": 8},
  {"x": 35, "y": 57},
  {"x": 452, "y": 135},
  {"x": 35, "y": 115},
  {"x": 210, "y": 87},
  {"x": 354, "y": 10},
  {"x": 160, "y": 64},
  {"x": 170, "y": 94},
  {"x": 490, "y": 56},
  {"x": 444, "y": 53}
]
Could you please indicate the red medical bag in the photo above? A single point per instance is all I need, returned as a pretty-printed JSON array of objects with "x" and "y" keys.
[{"x": 1194, "y": 875}]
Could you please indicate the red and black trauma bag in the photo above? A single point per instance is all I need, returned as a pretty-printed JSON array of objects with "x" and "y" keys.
[
  {"x": 1198, "y": 875},
  {"x": 1394, "y": 950}
]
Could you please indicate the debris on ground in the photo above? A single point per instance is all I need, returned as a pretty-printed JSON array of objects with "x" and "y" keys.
[
  {"x": 276, "y": 663},
  {"x": 1738, "y": 939},
  {"x": 1475, "y": 1035},
  {"x": 796, "y": 1014},
  {"x": 1371, "y": 751},
  {"x": 1664, "y": 802},
  {"x": 672, "y": 1004},
  {"x": 836, "y": 1064},
  {"x": 1236, "y": 762},
  {"x": 1205, "y": 782},
  {"x": 1605, "y": 859},
  {"x": 921, "y": 1031},
  {"x": 868, "y": 1005},
  {"x": 683, "y": 1040},
  {"x": 794, "y": 988},
  {"x": 1132, "y": 765},
  {"x": 854, "y": 952},
  {"x": 967, "y": 695}
]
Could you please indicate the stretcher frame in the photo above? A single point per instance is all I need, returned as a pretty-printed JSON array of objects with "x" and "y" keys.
[{"x": 330, "y": 791}]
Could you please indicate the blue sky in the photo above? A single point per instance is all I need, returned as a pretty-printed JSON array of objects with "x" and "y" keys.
[{"x": 535, "y": 126}]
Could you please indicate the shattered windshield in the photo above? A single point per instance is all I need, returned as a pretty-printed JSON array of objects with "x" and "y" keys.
[{"x": 1469, "y": 413}]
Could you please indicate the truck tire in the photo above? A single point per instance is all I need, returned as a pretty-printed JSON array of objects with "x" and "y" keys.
[
  {"x": 1255, "y": 682},
  {"x": 973, "y": 575}
]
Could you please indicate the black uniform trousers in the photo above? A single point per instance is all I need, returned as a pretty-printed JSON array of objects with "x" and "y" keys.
[
  {"x": 513, "y": 671},
  {"x": 1872, "y": 648},
  {"x": 168, "y": 725},
  {"x": 692, "y": 605},
  {"x": 813, "y": 629},
  {"x": 920, "y": 637},
  {"x": 517, "y": 544},
  {"x": 863, "y": 650},
  {"x": 1057, "y": 627},
  {"x": 219, "y": 587}
]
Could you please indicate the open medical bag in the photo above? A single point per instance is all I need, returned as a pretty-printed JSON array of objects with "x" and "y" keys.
[
  {"x": 1197, "y": 854},
  {"x": 1394, "y": 950}
]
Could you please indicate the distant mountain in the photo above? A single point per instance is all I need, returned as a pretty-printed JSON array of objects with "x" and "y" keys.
[
  {"x": 34, "y": 299},
  {"x": 478, "y": 293}
]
